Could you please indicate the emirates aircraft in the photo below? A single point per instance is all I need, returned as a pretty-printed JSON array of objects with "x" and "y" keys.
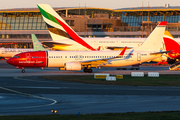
[
  {"x": 77, "y": 60},
  {"x": 65, "y": 38}
]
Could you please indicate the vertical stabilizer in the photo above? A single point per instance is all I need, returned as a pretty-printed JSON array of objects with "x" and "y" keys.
[
  {"x": 170, "y": 43},
  {"x": 36, "y": 44},
  {"x": 58, "y": 28},
  {"x": 155, "y": 39},
  {"x": 51, "y": 18}
]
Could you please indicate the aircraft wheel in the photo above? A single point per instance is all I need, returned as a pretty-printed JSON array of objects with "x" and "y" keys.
[
  {"x": 23, "y": 71},
  {"x": 89, "y": 70},
  {"x": 85, "y": 70}
]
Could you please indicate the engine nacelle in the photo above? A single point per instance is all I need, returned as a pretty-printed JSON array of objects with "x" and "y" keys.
[{"x": 72, "y": 66}]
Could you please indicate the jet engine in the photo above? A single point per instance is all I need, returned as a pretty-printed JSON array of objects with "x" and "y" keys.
[{"x": 72, "y": 66}]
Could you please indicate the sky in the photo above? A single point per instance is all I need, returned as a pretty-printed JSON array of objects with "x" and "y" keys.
[{"x": 111, "y": 4}]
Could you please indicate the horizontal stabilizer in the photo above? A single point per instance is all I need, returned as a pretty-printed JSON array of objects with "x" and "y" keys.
[
  {"x": 158, "y": 53},
  {"x": 118, "y": 48}
]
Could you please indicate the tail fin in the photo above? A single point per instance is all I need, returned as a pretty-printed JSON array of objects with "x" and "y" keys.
[
  {"x": 154, "y": 41},
  {"x": 171, "y": 45},
  {"x": 58, "y": 28},
  {"x": 170, "y": 42},
  {"x": 56, "y": 25},
  {"x": 37, "y": 45}
]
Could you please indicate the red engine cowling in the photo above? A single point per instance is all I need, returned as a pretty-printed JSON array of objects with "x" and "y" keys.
[{"x": 72, "y": 66}]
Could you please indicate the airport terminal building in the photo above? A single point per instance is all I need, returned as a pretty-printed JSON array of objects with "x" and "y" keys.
[{"x": 17, "y": 25}]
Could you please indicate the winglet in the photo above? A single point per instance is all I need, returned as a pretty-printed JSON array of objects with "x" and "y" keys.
[
  {"x": 98, "y": 48},
  {"x": 123, "y": 51}
]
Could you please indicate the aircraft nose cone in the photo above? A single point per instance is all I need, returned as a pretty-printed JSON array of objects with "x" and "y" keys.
[{"x": 9, "y": 61}]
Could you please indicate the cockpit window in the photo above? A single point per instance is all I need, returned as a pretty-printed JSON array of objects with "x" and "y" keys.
[{"x": 16, "y": 57}]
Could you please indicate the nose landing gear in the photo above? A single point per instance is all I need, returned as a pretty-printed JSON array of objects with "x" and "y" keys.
[{"x": 23, "y": 70}]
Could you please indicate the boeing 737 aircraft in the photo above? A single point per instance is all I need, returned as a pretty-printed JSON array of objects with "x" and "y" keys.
[
  {"x": 65, "y": 38},
  {"x": 76, "y": 60},
  {"x": 7, "y": 53}
]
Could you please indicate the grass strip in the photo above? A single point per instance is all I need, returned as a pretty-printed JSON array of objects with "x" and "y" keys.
[
  {"x": 107, "y": 116},
  {"x": 163, "y": 80}
]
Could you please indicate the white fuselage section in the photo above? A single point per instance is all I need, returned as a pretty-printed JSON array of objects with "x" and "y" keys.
[
  {"x": 10, "y": 52},
  {"x": 131, "y": 57},
  {"x": 104, "y": 43}
]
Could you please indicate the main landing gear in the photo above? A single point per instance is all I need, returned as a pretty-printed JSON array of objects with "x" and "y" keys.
[
  {"x": 86, "y": 70},
  {"x": 23, "y": 70}
]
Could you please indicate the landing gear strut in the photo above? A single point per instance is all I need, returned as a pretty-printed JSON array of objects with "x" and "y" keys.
[
  {"x": 23, "y": 71},
  {"x": 87, "y": 70}
]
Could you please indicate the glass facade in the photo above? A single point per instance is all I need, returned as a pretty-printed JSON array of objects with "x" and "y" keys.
[
  {"x": 34, "y": 21},
  {"x": 24, "y": 21},
  {"x": 135, "y": 21}
]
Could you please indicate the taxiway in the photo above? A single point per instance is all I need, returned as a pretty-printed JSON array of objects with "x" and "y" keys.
[{"x": 26, "y": 94}]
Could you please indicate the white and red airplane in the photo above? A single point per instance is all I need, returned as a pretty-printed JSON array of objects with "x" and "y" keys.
[
  {"x": 65, "y": 38},
  {"x": 6, "y": 53},
  {"x": 76, "y": 60}
]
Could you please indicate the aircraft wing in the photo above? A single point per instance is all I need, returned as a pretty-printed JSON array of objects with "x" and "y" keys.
[
  {"x": 96, "y": 62},
  {"x": 52, "y": 44},
  {"x": 160, "y": 53},
  {"x": 117, "y": 48}
]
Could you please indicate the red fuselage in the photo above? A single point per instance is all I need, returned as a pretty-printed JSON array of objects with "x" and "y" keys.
[{"x": 29, "y": 59}]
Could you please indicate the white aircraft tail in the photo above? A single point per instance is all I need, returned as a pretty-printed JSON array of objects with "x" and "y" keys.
[
  {"x": 58, "y": 28},
  {"x": 56, "y": 25},
  {"x": 36, "y": 44},
  {"x": 154, "y": 41}
]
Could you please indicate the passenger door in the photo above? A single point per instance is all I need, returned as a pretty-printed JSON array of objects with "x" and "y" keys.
[{"x": 138, "y": 56}]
